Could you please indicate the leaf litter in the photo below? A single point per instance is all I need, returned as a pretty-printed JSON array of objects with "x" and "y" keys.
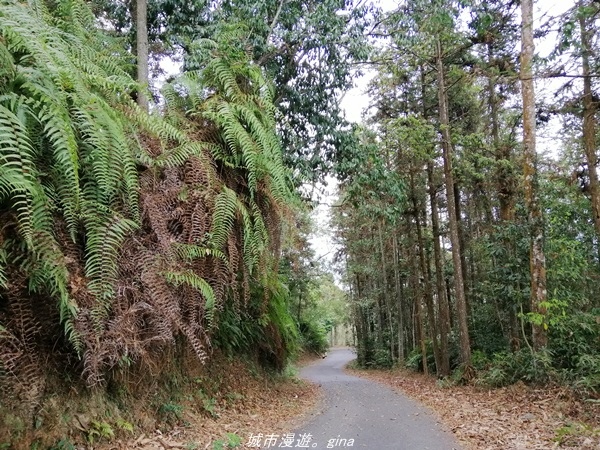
[
  {"x": 249, "y": 404},
  {"x": 517, "y": 417}
]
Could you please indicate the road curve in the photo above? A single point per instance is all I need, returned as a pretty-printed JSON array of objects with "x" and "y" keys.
[{"x": 359, "y": 413}]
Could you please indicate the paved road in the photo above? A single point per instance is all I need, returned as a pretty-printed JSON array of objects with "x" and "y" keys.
[{"x": 374, "y": 416}]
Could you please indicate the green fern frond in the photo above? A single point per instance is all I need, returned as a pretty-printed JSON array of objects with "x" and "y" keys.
[
  {"x": 191, "y": 252},
  {"x": 3, "y": 265},
  {"x": 260, "y": 228},
  {"x": 154, "y": 124},
  {"x": 249, "y": 244},
  {"x": 48, "y": 273},
  {"x": 238, "y": 139},
  {"x": 46, "y": 105},
  {"x": 189, "y": 278},
  {"x": 18, "y": 161},
  {"x": 179, "y": 155},
  {"x": 107, "y": 154},
  {"x": 223, "y": 217},
  {"x": 7, "y": 66},
  {"x": 105, "y": 232}
]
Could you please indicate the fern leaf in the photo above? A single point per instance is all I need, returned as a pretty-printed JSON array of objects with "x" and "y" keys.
[
  {"x": 189, "y": 278},
  {"x": 3, "y": 265},
  {"x": 105, "y": 234},
  {"x": 190, "y": 252},
  {"x": 223, "y": 217}
]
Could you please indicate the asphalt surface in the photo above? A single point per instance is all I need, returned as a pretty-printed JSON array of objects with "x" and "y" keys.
[{"x": 359, "y": 413}]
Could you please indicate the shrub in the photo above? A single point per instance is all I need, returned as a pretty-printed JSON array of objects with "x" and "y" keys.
[
  {"x": 313, "y": 336},
  {"x": 414, "y": 360},
  {"x": 524, "y": 365}
]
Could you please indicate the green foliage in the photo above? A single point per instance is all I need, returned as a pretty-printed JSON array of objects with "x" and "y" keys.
[
  {"x": 63, "y": 444},
  {"x": 523, "y": 365},
  {"x": 587, "y": 376},
  {"x": 480, "y": 360},
  {"x": 232, "y": 440},
  {"x": 209, "y": 406},
  {"x": 237, "y": 332},
  {"x": 308, "y": 48},
  {"x": 566, "y": 433},
  {"x": 575, "y": 353},
  {"x": 279, "y": 328},
  {"x": 171, "y": 412},
  {"x": 243, "y": 112},
  {"x": 275, "y": 334},
  {"x": 311, "y": 123},
  {"x": 372, "y": 184},
  {"x": 64, "y": 149},
  {"x": 313, "y": 336},
  {"x": 486, "y": 330},
  {"x": 191, "y": 279},
  {"x": 414, "y": 361},
  {"x": 98, "y": 431},
  {"x": 381, "y": 359},
  {"x": 76, "y": 153}
]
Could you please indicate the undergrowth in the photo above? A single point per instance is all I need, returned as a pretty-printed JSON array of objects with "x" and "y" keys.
[{"x": 143, "y": 403}]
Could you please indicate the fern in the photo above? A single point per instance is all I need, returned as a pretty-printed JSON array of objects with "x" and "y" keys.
[
  {"x": 75, "y": 154},
  {"x": 3, "y": 264},
  {"x": 189, "y": 278},
  {"x": 17, "y": 158},
  {"x": 105, "y": 234},
  {"x": 223, "y": 218},
  {"x": 179, "y": 155},
  {"x": 192, "y": 252}
]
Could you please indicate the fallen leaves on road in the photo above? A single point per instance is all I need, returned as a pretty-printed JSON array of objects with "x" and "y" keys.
[{"x": 517, "y": 417}]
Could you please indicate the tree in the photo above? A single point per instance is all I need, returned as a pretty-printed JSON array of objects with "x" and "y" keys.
[
  {"x": 537, "y": 256},
  {"x": 446, "y": 122},
  {"x": 310, "y": 50},
  {"x": 141, "y": 28},
  {"x": 461, "y": 302},
  {"x": 590, "y": 106}
]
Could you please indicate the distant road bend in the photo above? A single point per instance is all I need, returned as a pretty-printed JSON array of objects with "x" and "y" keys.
[{"x": 360, "y": 413}]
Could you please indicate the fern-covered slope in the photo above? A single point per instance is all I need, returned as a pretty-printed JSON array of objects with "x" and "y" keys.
[{"x": 123, "y": 233}]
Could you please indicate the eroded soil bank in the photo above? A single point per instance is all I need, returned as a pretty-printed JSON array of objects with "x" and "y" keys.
[
  {"x": 250, "y": 404},
  {"x": 210, "y": 407}
]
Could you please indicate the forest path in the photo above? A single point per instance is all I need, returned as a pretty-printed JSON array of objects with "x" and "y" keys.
[{"x": 372, "y": 415}]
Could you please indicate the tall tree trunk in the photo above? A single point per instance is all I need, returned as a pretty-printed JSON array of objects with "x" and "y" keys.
[
  {"x": 442, "y": 299},
  {"x": 398, "y": 283},
  {"x": 425, "y": 274},
  {"x": 462, "y": 240},
  {"x": 589, "y": 112},
  {"x": 506, "y": 194},
  {"x": 443, "y": 316},
  {"x": 461, "y": 303},
  {"x": 537, "y": 260},
  {"x": 141, "y": 25},
  {"x": 417, "y": 292},
  {"x": 386, "y": 294}
]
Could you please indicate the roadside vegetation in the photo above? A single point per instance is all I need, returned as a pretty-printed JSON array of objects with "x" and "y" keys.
[
  {"x": 441, "y": 211},
  {"x": 149, "y": 237},
  {"x": 471, "y": 251},
  {"x": 154, "y": 228}
]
